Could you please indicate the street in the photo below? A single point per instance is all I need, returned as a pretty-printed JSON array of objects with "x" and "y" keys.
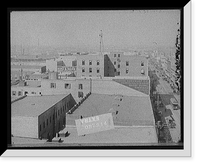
[{"x": 166, "y": 93}]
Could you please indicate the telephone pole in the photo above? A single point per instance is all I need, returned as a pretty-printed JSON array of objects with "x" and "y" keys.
[{"x": 101, "y": 42}]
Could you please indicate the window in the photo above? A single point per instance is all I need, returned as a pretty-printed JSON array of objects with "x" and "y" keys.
[
  {"x": 142, "y": 63},
  {"x": 19, "y": 93},
  {"x": 142, "y": 71},
  {"x": 90, "y": 62},
  {"x": 13, "y": 93},
  {"x": 118, "y": 73},
  {"x": 83, "y": 62},
  {"x": 118, "y": 55},
  {"x": 114, "y": 62},
  {"x": 115, "y": 70},
  {"x": 80, "y": 86},
  {"x": 80, "y": 94},
  {"x": 98, "y": 62},
  {"x": 83, "y": 70},
  {"x": 126, "y": 71},
  {"x": 90, "y": 70},
  {"x": 114, "y": 55},
  {"x": 127, "y": 63},
  {"x": 98, "y": 70},
  {"x": 118, "y": 66},
  {"x": 67, "y": 86},
  {"x": 53, "y": 85},
  {"x": 43, "y": 125}
]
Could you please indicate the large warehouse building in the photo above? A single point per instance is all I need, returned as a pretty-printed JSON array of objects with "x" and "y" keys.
[{"x": 40, "y": 116}]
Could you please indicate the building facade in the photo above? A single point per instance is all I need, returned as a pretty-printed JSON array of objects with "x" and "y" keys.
[
  {"x": 91, "y": 65},
  {"x": 120, "y": 64}
]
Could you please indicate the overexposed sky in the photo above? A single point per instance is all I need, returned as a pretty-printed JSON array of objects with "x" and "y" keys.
[{"x": 81, "y": 28}]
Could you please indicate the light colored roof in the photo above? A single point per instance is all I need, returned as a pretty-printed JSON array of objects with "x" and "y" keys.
[
  {"x": 33, "y": 106},
  {"x": 25, "y": 66},
  {"x": 118, "y": 136},
  {"x": 132, "y": 110}
]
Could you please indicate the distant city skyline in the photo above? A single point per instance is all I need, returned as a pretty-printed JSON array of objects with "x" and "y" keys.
[{"x": 81, "y": 29}]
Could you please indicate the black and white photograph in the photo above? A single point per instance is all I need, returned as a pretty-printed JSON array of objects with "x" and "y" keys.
[{"x": 97, "y": 79}]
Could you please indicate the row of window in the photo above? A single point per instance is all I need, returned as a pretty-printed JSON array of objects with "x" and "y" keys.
[
  {"x": 14, "y": 93},
  {"x": 127, "y": 63},
  {"x": 127, "y": 71},
  {"x": 116, "y": 55},
  {"x": 90, "y": 62},
  {"x": 90, "y": 70},
  {"x": 67, "y": 86},
  {"x": 55, "y": 116}
]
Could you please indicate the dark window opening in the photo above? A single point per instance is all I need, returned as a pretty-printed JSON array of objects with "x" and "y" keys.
[
  {"x": 83, "y": 70},
  {"x": 80, "y": 86},
  {"x": 80, "y": 94},
  {"x": 67, "y": 86},
  {"x": 53, "y": 85},
  {"x": 83, "y": 62}
]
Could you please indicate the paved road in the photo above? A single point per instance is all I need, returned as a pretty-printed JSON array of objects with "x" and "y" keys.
[{"x": 166, "y": 93}]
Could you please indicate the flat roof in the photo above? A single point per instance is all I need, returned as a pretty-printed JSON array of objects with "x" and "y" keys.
[
  {"x": 132, "y": 110},
  {"x": 33, "y": 106},
  {"x": 26, "y": 66}
]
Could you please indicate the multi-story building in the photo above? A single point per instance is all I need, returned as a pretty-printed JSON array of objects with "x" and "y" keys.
[{"x": 121, "y": 64}]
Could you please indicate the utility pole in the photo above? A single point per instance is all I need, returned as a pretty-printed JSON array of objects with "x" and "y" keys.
[{"x": 101, "y": 42}]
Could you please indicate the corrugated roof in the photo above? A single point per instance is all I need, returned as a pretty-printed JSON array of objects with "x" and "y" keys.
[{"x": 33, "y": 106}]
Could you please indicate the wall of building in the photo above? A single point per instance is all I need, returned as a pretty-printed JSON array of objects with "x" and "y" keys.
[
  {"x": 66, "y": 87},
  {"x": 97, "y": 70},
  {"x": 141, "y": 85},
  {"x": 24, "y": 126},
  {"x": 51, "y": 65},
  {"x": 113, "y": 87},
  {"x": 54, "y": 119},
  {"x": 17, "y": 91}
]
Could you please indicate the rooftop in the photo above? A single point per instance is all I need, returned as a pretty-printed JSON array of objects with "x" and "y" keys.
[
  {"x": 33, "y": 106},
  {"x": 132, "y": 110},
  {"x": 25, "y": 66}
]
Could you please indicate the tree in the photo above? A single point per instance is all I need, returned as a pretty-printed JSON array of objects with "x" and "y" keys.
[{"x": 178, "y": 59}]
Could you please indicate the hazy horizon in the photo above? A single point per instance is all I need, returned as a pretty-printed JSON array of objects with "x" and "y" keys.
[{"x": 81, "y": 29}]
